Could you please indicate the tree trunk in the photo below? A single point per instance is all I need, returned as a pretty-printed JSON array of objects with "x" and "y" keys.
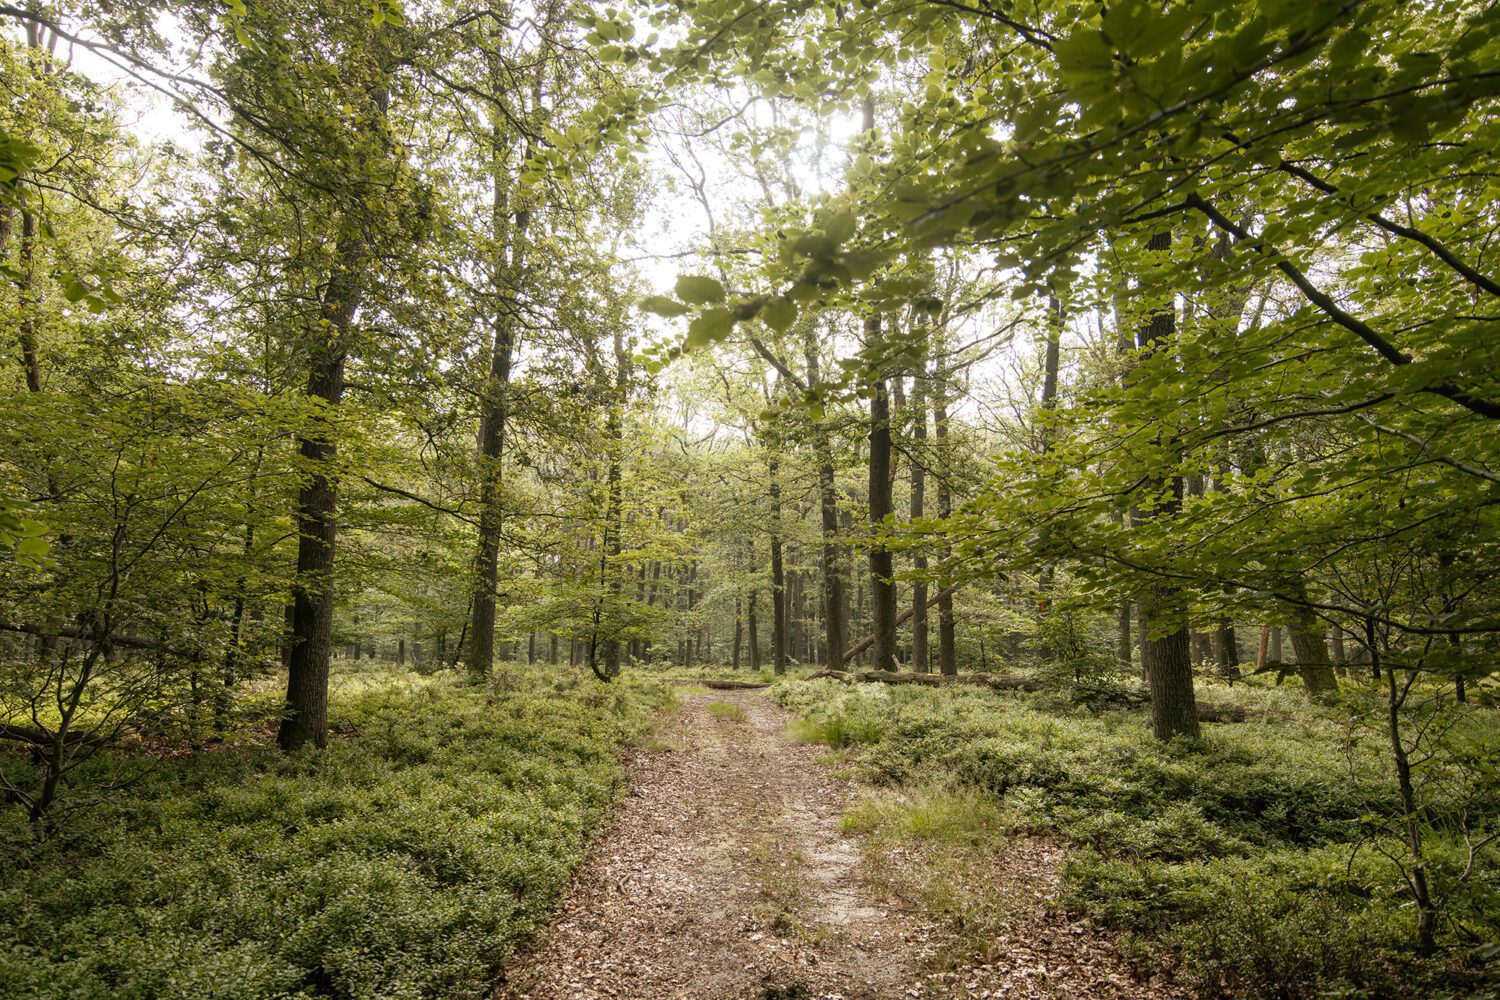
[
  {"x": 778, "y": 577},
  {"x": 1226, "y": 650},
  {"x": 835, "y": 602},
  {"x": 947, "y": 646},
  {"x": 1166, "y": 659},
  {"x": 1124, "y": 651},
  {"x": 505, "y": 279},
  {"x": 306, "y": 717},
  {"x": 739, "y": 630},
  {"x": 1308, "y": 646},
  {"x": 752, "y": 630},
  {"x": 614, "y": 520},
  {"x": 920, "y": 656}
]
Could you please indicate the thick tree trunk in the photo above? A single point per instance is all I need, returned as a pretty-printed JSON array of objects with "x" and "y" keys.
[
  {"x": 881, "y": 567},
  {"x": 1124, "y": 647},
  {"x": 1167, "y": 659},
  {"x": 306, "y": 717},
  {"x": 1313, "y": 664},
  {"x": 1226, "y": 650}
]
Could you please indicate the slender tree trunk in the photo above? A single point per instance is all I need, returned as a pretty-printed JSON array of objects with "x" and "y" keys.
[
  {"x": 614, "y": 520},
  {"x": 778, "y": 577},
  {"x": 1427, "y": 913},
  {"x": 509, "y": 232},
  {"x": 739, "y": 630},
  {"x": 835, "y": 601},
  {"x": 947, "y": 644},
  {"x": 752, "y": 630},
  {"x": 920, "y": 656}
]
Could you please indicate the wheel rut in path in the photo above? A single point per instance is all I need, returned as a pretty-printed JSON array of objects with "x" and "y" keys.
[{"x": 725, "y": 875}]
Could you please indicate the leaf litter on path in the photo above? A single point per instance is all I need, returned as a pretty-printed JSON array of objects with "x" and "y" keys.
[{"x": 725, "y": 876}]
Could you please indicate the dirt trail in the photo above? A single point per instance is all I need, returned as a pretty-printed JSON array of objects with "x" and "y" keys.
[{"x": 725, "y": 875}]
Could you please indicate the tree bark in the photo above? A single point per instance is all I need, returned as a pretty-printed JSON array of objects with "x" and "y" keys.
[
  {"x": 778, "y": 575},
  {"x": 614, "y": 519},
  {"x": 920, "y": 655},
  {"x": 1313, "y": 663},
  {"x": 306, "y": 717},
  {"x": 947, "y": 646},
  {"x": 1166, "y": 659},
  {"x": 835, "y": 604},
  {"x": 509, "y": 231}
]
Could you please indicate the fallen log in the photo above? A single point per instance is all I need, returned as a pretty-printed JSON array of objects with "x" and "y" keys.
[
  {"x": 997, "y": 682},
  {"x": 1209, "y": 712},
  {"x": 901, "y": 619},
  {"x": 42, "y": 737},
  {"x": 87, "y": 635},
  {"x": 719, "y": 685}
]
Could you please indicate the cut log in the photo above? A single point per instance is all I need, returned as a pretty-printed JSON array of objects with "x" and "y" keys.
[{"x": 901, "y": 619}]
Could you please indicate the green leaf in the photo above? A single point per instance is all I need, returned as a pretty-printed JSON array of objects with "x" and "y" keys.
[
  {"x": 779, "y": 314},
  {"x": 663, "y": 306},
  {"x": 841, "y": 227},
  {"x": 698, "y": 290},
  {"x": 710, "y": 326}
]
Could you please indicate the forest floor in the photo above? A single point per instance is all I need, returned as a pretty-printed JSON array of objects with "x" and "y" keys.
[{"x": 726, "y": 874}]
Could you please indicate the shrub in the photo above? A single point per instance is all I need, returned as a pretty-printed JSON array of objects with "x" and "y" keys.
[
  {"x": 406, "y": 860},
  {"x": 1253, "y": 859}
]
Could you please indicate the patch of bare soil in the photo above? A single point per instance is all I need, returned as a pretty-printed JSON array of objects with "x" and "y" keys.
[{"x": 725, "y": 875}]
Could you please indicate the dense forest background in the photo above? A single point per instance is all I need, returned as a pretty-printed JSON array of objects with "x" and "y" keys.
[{"x": 1132, "y": 366}]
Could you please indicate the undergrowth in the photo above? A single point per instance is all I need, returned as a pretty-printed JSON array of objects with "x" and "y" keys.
[
  {"x": 1250, "y": 862},
  {"x": 407, "y": 859}
]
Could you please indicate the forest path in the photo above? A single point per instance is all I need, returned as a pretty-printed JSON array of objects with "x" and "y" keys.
[{"x": 725, "y": 875}]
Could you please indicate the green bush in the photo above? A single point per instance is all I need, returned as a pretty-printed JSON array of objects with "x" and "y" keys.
[
  {"x": 406, "y": 860},
  {"x": 1247, "y": 859}
]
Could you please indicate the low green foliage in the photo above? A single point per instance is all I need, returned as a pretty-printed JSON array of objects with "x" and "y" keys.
[
  {"x": 726, "y": 710},
  {"x": 405, "y": 860},
  {"x": 1252, "y": 858}
]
